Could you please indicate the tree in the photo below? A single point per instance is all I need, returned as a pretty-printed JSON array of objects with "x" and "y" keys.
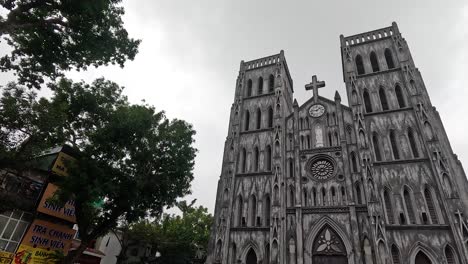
[
  {"x": 131, "y": 158},
  {"x": 48, "y": 37},
  {"x": 177, "y": 238}
]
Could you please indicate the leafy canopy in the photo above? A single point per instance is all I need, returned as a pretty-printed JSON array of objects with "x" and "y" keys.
[
  {"x": 48, "y": 37},
  {"x": 132, "y": 160},
  {"x": 178, "y": 238}
]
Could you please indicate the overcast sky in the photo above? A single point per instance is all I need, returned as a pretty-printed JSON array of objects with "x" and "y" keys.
[{"x": 189, "y": 59}]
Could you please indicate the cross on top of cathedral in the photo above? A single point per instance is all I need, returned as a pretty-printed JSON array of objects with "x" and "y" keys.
[{"x": 315, "y": 85}]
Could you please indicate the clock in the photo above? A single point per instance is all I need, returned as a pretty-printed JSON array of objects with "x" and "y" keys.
[{"x": 316, "y": 110}]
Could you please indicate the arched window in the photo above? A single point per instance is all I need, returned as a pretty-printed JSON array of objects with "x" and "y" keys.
[
  {"x": 260, "y": 86},
  {"x": 301, "y": 123},
  {"x": 358, "y": 193},
  {"x": 314, "y": 197},
  {"x": 259, "y": 118},
  {"x": 324, "y": 196},
  {"x": 252, "y": 210},
  {"x": 359, "y": 65},
  {"x": 270, "y": 117},
  {"x": 306, "y": 123},
  {"x": 383, "y": 99},
  {"x": 330, "y": 140},
  {"x": 367, "y": 101},
  {"x": 409, "y": 206},
  {"x": 389, "y": 59},
  {"x": 268, "y": 158},
  {"x": 399, "y": 96},
  {"x": 395, "y": 255},
  {"x": 335, "y": 138},
  {"x": 430, "y": 205},
  {"x": 256, "y": 160},
  {"x": 249, "y": 87},
  {"x": 375, "y": 142},
  {"x": 302, "y": 142},
  {"x": 266, "y": 210},
  {"x": 291, "y": 168},
  {"x": 449, "y": 255},
  {"x": 226, "y": 194},
  {"x": 243, "y": 160},
  {"x": 308, "y": 141},
  {"x": 412, "y": 141},
  {"x": 349, "y": 135},
  {"x": 291, "y": 196},
  {"x": 393, "y": 142},
  {"x": 354, "y": 167},
  {"x": 240, "y": 205},
  {"x": 247, "y": 120},
  {"x": 388, "y": 206},
  {"x": 374, "y": 62},
  {"x": 271, "y": 83}
]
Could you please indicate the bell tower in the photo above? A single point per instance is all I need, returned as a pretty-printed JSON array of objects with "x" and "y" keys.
[{"x": 404, "y": 150}]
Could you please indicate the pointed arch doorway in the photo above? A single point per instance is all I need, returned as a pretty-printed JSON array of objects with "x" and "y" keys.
[
  {"x": 251, "y": 257},
  {"x": 421, "y": 258},
  {"x": 328, "y": 248}
]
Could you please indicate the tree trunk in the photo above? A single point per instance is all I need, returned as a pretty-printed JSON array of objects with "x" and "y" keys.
[{"x": 74, "y": 255}]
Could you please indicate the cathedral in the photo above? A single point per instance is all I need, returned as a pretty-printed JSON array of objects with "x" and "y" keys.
[{"x": 373, "y": 182}]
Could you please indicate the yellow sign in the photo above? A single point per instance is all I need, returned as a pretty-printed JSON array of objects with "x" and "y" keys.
[
  {"x": 67, "y": 212},
  {"x": 46, "y": 235},
  {"x": 31, "y": 255},
  {"x": 59, "y": 166},
  {"x": 6, "y": 257}
]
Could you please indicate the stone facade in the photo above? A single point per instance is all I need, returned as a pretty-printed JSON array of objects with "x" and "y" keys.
[{"x": 372, "y": 182}]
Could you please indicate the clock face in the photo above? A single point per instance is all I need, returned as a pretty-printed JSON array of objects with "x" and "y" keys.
[{"x": 316, "y": 110}]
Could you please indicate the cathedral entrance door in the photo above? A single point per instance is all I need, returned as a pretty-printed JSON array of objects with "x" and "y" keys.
[
  {"x": 251, "y": 257},
  {"x": 328, "y": 248},
  {"x": 421, "y": 258}
]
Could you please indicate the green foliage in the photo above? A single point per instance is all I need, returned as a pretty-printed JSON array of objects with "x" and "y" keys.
[
  {"x": 48, "y": 37},
  {"x": 130, "y": 156},
  {"x": 176, "y": 237}
]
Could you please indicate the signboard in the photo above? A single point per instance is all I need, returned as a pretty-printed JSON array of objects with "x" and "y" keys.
[
  {"x": 59, "y": 166},
  {"x": 46, "y": 235},
  {"x": 31, "y": 255},
  {"x": 66, "y": 212},
  {"x": 6, "y": 257}
]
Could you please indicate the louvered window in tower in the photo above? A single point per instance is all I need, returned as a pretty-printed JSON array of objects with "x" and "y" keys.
[
  {"x": 430, "y": 205},
  {"x": 399, "y": 96},
  {"x": 388, "y": 207},
  {"x": 409, "y": 206},
  {"x": 383, "y": 99},
  {"x": 389, "y": 59},
  {"x": 374, "y": 62},
  {"x": 393, "y": 142},
  {"x": 367, "y": 101},
  {"x": 359, "y": 65}
]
